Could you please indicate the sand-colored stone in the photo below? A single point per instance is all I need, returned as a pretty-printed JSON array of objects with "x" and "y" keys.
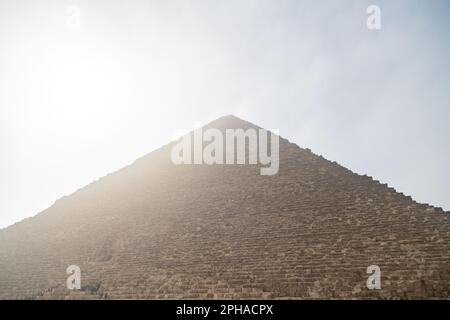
[{"x": 156, "y": 230}]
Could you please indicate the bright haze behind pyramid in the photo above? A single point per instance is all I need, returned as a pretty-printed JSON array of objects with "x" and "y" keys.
[{"x": 158, "y": 230}]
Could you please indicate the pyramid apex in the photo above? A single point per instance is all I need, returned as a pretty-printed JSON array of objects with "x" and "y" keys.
[{"x": 230, "y": 121}]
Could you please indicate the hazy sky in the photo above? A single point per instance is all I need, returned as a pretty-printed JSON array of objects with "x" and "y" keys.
[{"x": 80, "y": 98}]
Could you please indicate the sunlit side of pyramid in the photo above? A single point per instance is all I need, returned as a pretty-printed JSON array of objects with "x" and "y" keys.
[{"x": 157, "y": 230}]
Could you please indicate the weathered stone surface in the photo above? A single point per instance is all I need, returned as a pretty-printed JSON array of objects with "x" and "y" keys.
[{"x": 156, "y": 230}]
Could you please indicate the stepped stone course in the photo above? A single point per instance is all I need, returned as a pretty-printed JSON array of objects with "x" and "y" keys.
[{"x": 154, "y": 230}]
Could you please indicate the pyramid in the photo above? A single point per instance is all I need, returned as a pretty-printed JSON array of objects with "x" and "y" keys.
[{"x": 156, "y": 230}]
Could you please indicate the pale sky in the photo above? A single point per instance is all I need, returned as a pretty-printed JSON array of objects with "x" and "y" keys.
[{"x": 80, "y": 98}]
